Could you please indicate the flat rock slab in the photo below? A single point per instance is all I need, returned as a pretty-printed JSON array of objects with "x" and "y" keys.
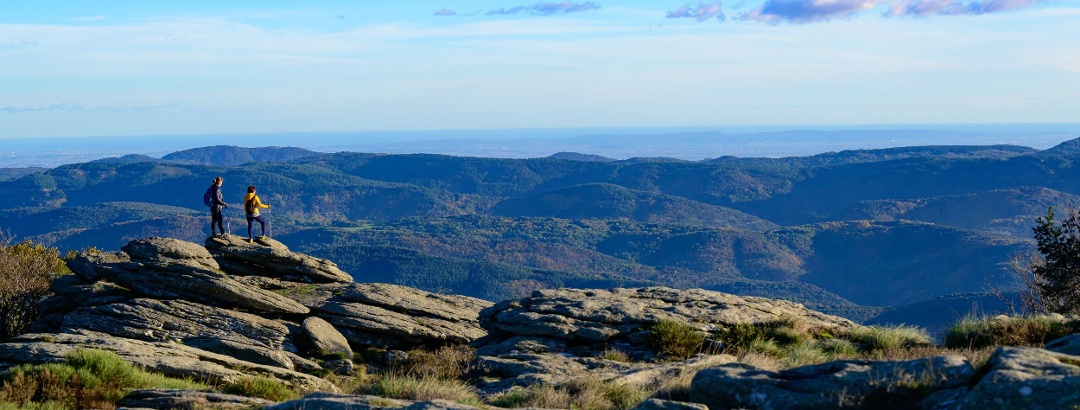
[
  {"x": 176, "y": 320},
  {"x": 166, "y": 275},
  {"x": 837, "y": 384},
  {"x": 170, "y": 359},
  {"x": 601, "y": 315},
  {"x": 399, "y": 316},
  {"x": 270, "y": 258},
  {"x": 188, "y": 399},
  {"x": 329, "y": 401},
  {"x": 1027, "y": 378}
]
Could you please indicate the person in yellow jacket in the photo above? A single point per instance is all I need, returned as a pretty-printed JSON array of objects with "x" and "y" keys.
[{"x": 251, "y": 210}]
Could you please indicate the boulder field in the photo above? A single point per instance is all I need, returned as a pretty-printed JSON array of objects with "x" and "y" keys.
[{"x": 227, "y": 309}]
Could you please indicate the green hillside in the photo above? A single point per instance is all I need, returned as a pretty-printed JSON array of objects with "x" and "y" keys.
[
  {"x": 610, "y": 201},
  {"x": 844, "y": 232}
]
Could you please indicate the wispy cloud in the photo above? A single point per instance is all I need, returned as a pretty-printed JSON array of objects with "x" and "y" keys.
[
  {"x": 703, "y": 11},
  {"x": 953, "y": 7},
  {"x": 68, "y": 106},
  {"x": 546, "y": 9},
  {"x": 88, "y": 18},
  {"x": 813, "y": 11},
  {"x": 446, "y": 12}
]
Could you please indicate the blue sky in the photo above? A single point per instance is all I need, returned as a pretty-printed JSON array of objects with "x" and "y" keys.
[{"x": 148, "y": 68}]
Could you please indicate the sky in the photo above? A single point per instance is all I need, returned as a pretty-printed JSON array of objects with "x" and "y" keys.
[{"x": 116, "y": 68}]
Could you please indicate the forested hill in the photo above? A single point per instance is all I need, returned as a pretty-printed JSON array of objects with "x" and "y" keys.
[{"x": 838, "y": 231}]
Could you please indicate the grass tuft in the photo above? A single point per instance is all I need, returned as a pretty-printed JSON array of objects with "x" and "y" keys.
[
  {"x": 675, "y": 339},
  {"x": 261, "y": 387},
  {"x": 975, "y": 333},
  {"x": 86, "y": 378},
  {"x": 872, "y": 338}
]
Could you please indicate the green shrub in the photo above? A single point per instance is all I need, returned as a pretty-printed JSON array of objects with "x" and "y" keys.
[
  {"x": 85, "y": 379},
  {"x": 406, "y": 387},
  {"x": 872, "y": 338},
  {"x": 28, "y": 270},
  {"x": 535, "y": 396},
  {"x": 675, "y": 339},
  {"x": 446, "y": 363},
  {"x": 261, "y": 387},
  {"x": 971, "y": 332},
  {"x": 615, "y": 355}
]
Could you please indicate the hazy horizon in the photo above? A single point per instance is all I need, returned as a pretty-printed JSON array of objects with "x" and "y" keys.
[{"x": 688, "y": 143}]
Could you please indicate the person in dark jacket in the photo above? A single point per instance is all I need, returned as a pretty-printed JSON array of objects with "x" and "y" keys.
[{"x": 217, "y": 204}]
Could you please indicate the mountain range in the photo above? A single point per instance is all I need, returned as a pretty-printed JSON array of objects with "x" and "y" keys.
[{"x": 870, "y": 234}]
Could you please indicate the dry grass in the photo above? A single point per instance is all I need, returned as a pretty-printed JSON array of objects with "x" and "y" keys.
[
  {"x": 675, "y": 339},
  {"x": 399, "y": 386},
  {"x": 447, "y": 362},
  {"x": 585, "y": 394},
  {"x": 974, "y": 333},
  {"x": 86, "y": 379}
]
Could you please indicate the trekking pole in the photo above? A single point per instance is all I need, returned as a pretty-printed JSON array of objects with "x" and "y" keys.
[
  {"x": 225, "y": 216},
  {"x": 269, "y": 224}
]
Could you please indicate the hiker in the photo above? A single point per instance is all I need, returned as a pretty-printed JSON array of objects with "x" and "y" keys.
[
  {"x": 214, "y": 200},
  {"x": 251, "y": 210}
]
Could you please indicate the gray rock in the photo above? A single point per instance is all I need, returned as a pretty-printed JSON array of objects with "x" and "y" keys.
[
  {"x": 330, "y": 401},
  {"x": 325, "y": 339},
  {"x": 413, "y": 301},
  {"x": 191, "y": 280},
  {"x": 243, "y": 351},
  {"x": 401, "y": 317},
  {"x": 1069, "y": 345},
  {"x": 188, "y": 399},
  {"x": 177, "y": 320},
  {"x": 170, "y": 359},
  {"x": 596, "y": 316},
  {"x": 327, "y": 401},
  {"x": 87, "y": 264},
  {"x": 837, "y": 384},
  {"x": 170, "y": 254},
  {"x": 657, "y": 404},
  {"x": 342, "y": 367},
  {"x": 1027, "y": 378},
  {"x": 271, "y": 258}
]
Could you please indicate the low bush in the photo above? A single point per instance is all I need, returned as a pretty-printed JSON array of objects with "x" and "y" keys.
[
  {"x": 395, "y": 385},
  {"x": 584, "y": 394},
  {"x": 974, "y": 333},
  {"x": 445, "y": 363},
  {"x": 28, "y": 270},
  {"x": 261, "y": 387},
  {"x": 675, "y": 339},
  {"x": 85, "y": 379},
  {"x": 872, "y": 338}
]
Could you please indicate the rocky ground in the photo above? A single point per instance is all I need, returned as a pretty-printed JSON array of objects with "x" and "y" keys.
[{"x": 227, "y": 309}]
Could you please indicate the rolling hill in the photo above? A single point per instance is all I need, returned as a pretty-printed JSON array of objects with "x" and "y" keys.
[{"x": 851, "y": 231}]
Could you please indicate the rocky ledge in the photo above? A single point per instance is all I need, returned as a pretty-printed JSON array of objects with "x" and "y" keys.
[
  {"x": 199, "y": 311},
  {"x": 228, "y": 309}
]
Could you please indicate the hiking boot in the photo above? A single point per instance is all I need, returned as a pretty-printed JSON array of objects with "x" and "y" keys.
[{"x": 250, "y": 241}]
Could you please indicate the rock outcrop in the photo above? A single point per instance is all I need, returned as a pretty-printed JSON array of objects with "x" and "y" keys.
[
  {"x": 558, "y": 335},
  {"x": 1027, "y": 378},
  {"x": 844, "y": 383},
  {"x": 605, "y": 316},
  {"x": 201, "y": 311}
]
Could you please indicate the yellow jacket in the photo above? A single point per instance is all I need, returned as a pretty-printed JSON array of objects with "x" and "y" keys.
[{"x": 258, "y": 204}]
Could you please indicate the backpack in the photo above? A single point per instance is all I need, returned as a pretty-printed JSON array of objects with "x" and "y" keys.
[
  {"x": 249, "y": 206},
  {"x": 207, "y": 199}
]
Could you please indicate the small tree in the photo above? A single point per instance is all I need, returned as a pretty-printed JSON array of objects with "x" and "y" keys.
[
  {"x": 26, "y": 271},
  {"x": 1056, "y": 275}
]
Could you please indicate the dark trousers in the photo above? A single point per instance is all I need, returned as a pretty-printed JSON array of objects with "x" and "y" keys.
[
  {"x": 262, "y": 224},
  {"x": 216, "y": 217}
]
